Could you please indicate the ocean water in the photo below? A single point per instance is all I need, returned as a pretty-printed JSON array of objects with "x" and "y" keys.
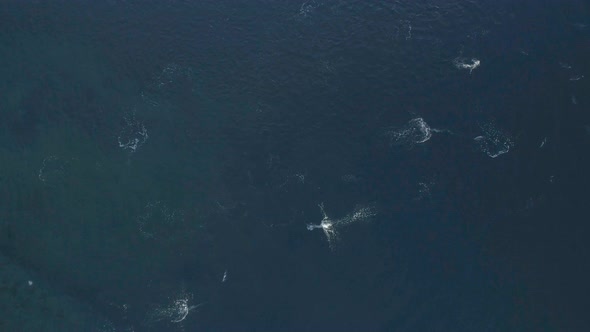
[{"x": 322, "y": 165}]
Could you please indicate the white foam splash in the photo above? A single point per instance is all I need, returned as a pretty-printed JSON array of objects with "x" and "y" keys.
[
  {"x": 462, "y": 63},
  {"x": 133, "y": 134}
]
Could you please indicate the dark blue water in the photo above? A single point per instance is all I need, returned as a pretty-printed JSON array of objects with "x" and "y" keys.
[{"x": 160, "y": 163}]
